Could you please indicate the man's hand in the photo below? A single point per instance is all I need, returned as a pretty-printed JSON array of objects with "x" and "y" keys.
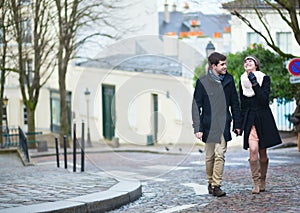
[
  {"x": 237, "y": 132},
  {"x": 199, "y": 135}
]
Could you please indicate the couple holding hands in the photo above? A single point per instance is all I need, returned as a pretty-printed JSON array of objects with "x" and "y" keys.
[{"x": 216, "y": 103}]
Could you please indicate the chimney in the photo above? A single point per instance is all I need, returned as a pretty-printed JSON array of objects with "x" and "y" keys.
[
  {"x": 166, "y": 12},
  {"x": 174, "y": 7},
  {"x": 186, "y": 6}
]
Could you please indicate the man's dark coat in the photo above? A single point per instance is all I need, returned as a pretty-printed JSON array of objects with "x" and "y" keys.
[{"x": 212, "y": 107}]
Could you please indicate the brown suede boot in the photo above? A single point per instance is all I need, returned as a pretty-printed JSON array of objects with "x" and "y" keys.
[
  {"x": 263, "y": 172},
  {"x": 254, "y": 166}
]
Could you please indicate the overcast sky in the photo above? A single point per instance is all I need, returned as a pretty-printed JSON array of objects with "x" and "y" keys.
[{"x": 204, "y": 6}]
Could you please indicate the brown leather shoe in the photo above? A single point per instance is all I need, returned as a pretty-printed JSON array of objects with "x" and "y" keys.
[
  {"x": 210, "y": 189},
  {"x": 217, "y": 191}
]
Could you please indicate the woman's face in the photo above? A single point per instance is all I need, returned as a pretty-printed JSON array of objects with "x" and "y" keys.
[{"x": 249, "y": 65}]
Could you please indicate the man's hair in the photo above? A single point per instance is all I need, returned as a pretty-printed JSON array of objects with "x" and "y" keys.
[{"x": 215, "y": 58}]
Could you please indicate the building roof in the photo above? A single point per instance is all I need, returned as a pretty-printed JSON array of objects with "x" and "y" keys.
[
  {"x": 154, "y": 64},
  {"x": 181, "y": 22},
  {"x": 175, "y": 25}
]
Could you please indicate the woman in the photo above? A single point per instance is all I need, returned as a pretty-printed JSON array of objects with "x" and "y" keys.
[{"x": 260, "y": 131}]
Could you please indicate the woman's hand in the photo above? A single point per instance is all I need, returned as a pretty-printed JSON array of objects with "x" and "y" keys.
[
  {"x": 199, "y": 135},
  {"x": 252, "y": 78}
]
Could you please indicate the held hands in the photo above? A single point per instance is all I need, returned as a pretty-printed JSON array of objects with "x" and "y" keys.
[
  {"x": 237, "y": 132},
  {"x": 199, "y": 135},
  {"x": 252, "y": 78}
]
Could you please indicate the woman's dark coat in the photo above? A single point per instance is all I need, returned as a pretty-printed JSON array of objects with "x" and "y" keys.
[
  {"x": 256, "y": 111},
  {"x": 210, "y": 113}
]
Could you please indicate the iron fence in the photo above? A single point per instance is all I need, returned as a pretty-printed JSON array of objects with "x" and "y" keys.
[
  {"x": 14, "y": 137},
  {"x": 282, "y": 110}
]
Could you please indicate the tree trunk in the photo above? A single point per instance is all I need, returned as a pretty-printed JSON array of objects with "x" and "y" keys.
[
  {"x": 64, "y": 127},
  {"x": 31, "y": 138}
]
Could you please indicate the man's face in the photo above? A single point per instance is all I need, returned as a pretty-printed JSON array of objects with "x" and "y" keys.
[{"x": 221, "y": 68}]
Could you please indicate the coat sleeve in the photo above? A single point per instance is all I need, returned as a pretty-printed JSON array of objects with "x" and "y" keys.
[
  {"x": 197, "y": 106},
  {"x": 242, "y": 99},
  {"x": 235, "y": 107},
  {"x": 263, "y": 92},
  {"x": 297, "y": 112}
]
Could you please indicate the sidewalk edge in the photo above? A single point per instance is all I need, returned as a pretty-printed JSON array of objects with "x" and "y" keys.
[{"x": 118, "y": 195}]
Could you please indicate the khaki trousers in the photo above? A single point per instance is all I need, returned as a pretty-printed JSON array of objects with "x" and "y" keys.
[{"x": 214, "y": 161}]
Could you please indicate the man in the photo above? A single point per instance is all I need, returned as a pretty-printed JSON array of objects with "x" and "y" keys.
[{"x": 214, "y": 94}]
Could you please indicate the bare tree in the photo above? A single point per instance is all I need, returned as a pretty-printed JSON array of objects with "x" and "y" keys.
[
  {"x": 287, "y": 9},
  {"x": 4, "y": 40},
  {"x": 72, "y": 15},
  {"x": 35, "y": 45}
]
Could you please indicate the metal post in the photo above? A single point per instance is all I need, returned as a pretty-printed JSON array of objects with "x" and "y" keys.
[
  {"x": 65, "y": 151},
  {"x": 5, "y": 102},
  {"x": 74, "y": 148},
  {"x": 87, "y": 95},
  {"x": 88, "y": 123},
  {"x": 82, "y": 147},
  {"x": 57, "y": 154},
  {"x": 299, "y": 141}
]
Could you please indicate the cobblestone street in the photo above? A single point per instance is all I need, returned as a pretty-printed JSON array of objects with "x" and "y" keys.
[
  {"x": 184, "y": 190},
  {"x": 173, "y": 180}
]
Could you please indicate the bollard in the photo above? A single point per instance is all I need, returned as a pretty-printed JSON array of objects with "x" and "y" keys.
[
  {"x": 65, "y": 151},
  {"x": 82, "y": 147},
  {"x": 74, "y": 148},
  {"x": 298, "y": 141},
  {"x": 57, "y": 153}
]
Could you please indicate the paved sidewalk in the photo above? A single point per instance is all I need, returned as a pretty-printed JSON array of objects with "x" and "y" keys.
[{"x": 46, "y": 188}]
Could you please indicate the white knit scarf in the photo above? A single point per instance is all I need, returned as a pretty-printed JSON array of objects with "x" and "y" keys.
[{"x": 246, "y": 84}]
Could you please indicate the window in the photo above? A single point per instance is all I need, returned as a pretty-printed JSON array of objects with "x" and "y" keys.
[
  {"x": 25, "y": 117},
  {"x": 26, "y": 31},
  {"x": 28, "y": 66},
  {"x": 4, "y": 115},
  {"x": 284, "y": 41},
  {"x": 252, "y": 38},
  {"x": 55, "y": 110},
  {"x": 25, "y": 2}
]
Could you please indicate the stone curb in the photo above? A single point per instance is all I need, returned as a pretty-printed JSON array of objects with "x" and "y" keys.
[
  {"x": 120, "y": 194},
  {"x": 38, "y": 155}
]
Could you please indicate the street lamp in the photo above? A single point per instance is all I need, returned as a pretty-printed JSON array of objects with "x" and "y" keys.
[
  {"x": 210, "y": 48},
  {"x": 87, "y": 96},
  {"x": 5, "y": 102}
]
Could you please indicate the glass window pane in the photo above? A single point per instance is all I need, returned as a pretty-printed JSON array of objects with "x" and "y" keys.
[
  {"x": 252, "y": 38},
  {"x": 26, "y": 31},
  {"x": 284, "y": 41},
  {"x": 55, "y": 112}
]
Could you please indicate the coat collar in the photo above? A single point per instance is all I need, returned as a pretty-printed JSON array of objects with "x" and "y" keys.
[{"x": 226, "y": 79}]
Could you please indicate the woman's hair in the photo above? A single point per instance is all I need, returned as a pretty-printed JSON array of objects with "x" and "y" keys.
[
  {"x": 215, "y": 58},
  {"x": 256, "y": 61}
]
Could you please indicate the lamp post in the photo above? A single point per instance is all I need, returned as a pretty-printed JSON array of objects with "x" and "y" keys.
[
  {"x": 87, "y": 96},
  {"x": 5, "y": 102},
  {"x": 210, "y": 48}
]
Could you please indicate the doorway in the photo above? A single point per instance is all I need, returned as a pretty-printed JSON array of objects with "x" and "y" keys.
[
  {"x": 108, "y": 107},
  {"x": 155, "y": 116}
]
